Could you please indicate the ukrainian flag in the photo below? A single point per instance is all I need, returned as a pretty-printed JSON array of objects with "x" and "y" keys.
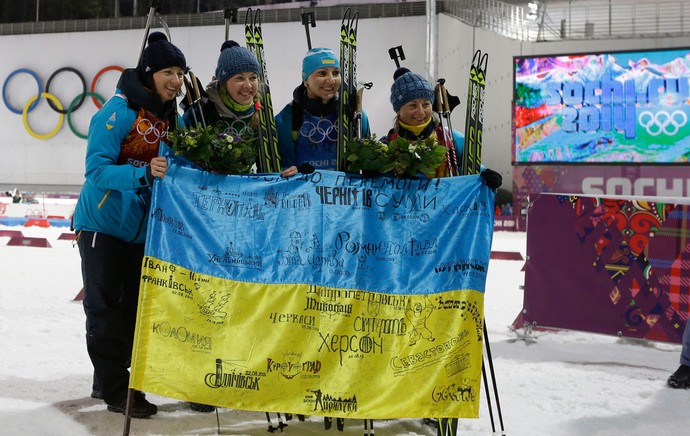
[{"x": 324, "y": 294}]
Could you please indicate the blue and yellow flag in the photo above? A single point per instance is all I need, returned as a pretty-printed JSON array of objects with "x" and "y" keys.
[{"x": 325, "y": 294}]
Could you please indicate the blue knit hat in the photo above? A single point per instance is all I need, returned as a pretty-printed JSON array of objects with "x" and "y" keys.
[
  {"x": 160, "y": 54},
  {"x": 233, "y": 60},
  {"x": 408, "y": 86},
  {"x": 318, "y": 58}
]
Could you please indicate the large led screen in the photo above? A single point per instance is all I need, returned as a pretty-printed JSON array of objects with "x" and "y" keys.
[{"x": 619, "y": 107}]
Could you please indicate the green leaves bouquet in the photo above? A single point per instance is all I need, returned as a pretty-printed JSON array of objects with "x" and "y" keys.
[
  {"x": 215, "y": 150},
  {"x": 399, "y": 157}
]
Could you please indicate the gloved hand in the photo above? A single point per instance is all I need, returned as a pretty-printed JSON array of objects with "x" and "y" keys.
[
  {"x": 492, "y": 178},
  {"x": 306, "y": 168}
]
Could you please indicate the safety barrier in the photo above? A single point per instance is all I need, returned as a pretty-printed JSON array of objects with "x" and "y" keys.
[
  {"x": 24, "y": 241},
  {"x": 611, "y": 265},
  {"x": 11, "y": 233}
]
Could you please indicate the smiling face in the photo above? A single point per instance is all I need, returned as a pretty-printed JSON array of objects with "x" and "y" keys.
[
  {"x": 243, "y": 87},
  {"x": 323, "y": 83},
  {"x": 415, "y": 112},
  {"x": 168, "y": 82}
]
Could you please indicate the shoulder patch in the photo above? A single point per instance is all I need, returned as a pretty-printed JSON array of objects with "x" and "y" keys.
[{"x": 113, "y": 118}]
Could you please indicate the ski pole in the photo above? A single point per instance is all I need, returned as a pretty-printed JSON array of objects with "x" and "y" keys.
[
  {"x": 271, "y": 429},
  {"x": 164, "y": 24},
  {"x": 190, "y": 100},
  {"x": 308, "y": 19},
  {"x": 443, "y": 109},
  {"x": 197, "y": 96},
  {"x": 493, "y": 378},
  {"x": 368, "y": 427},
  {"x": 358, "y": 112},
  {"x": 230, "y": 15},
  {"x": 155, "y": 4},
  {"x": 488, "y": 398},
  {"x": 397, "y": 54},
  {"x": 128, "y": 412}
]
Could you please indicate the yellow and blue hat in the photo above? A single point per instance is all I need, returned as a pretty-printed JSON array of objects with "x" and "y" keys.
[{"x": 319, "y": 58}]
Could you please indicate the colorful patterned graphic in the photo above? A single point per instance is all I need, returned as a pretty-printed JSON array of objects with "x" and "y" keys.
[
  {"x": 623, "y": 266},
  {"x": 326, "y": 294},
  {"x": 618, "y": 107}
]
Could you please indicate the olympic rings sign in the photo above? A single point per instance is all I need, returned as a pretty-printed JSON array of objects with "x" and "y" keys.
[
  {"x": 323, "y": 130},
  {"x": 53, "y": 101},
  {"x": 236, "y": 128},
  {"x": 151, "y": 132},
  {"x": 662, "y": 122}
]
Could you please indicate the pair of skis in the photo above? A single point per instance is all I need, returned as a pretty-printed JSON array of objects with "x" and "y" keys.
[
  {"x": 349, "y": 112},
  {"x": 269, "y": 157},
  {"x": 474, "y": 120}
]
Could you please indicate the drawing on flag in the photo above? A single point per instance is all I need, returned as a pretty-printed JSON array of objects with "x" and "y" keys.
[{"x": 324, "y": 294}]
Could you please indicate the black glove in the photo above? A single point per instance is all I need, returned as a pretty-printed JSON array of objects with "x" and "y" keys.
[
  {"x": 306, "y": 168},
  {"x": 492, "y": 179}
]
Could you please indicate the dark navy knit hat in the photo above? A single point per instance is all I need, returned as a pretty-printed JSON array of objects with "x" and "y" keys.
[
  {"x": 160, "y": 54},
  {"x": 408, "y": 86},
  {"x": 233, "y": 60}
]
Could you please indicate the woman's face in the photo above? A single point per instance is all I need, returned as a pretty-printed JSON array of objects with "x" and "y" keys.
[
  {"x": 415, "y": 112},
  {"x": 323, "y": 83},
  {"x": 243, "y": 87},
  {"x": 168, "y": 82}
]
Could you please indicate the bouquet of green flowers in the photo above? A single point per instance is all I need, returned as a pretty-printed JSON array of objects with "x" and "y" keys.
[
  {"x": 215, "y": 150},
  {"x": 398, "y": 157}
]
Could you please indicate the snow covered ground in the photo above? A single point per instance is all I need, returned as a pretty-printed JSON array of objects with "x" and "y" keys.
[{"x": 564, "y": 383}]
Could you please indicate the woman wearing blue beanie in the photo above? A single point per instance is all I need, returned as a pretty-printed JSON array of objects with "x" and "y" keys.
[
  {"x": 229, "y": 98},
  {"x": 412, "y": 97},
  {"x": 123, "y": 158},
  {"x": 308, "y": 126}
]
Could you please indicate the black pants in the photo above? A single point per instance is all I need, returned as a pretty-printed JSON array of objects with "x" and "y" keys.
[{"x": 111, "y": 271}]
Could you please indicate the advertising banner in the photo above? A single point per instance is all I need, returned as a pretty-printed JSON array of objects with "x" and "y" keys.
[
  {"x": 612, "y": 265},
  {"x": 530, "y": 181},
  {"x": 325, "y": 294},
  {"x": 611, "y": 107}
]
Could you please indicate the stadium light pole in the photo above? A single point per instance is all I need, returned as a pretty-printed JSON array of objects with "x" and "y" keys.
[{"x": 38, "y": 2}]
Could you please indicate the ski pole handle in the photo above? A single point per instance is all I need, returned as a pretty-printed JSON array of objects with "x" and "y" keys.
[
  {"x": 188, "y": 97},
  {"x": 195, "y": 86},
  {"x": 188, "y": 91},
  {"x": 358, "y": 113},
  {"x": 197, "y": 96},
  {"x": 442, "y": 96},
  {"x": 230, "y": 15},
  {"x": 446, "y": 107},
  {"x": 307, "y": 20},
  {"x": 438, "y": 98},
  {"x": 397, "y": 54}
]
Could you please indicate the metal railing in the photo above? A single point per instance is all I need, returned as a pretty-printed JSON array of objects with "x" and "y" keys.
[
  {"x": 503, "y": 18},
  {"x": 373, "y": 10},
  {"x": 565, "y": 20},
  {"x": 557, "y": 20}
]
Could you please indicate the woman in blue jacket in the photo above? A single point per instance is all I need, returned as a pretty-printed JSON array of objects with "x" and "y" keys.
[
  {"x": 308, "y": 126},
  {"x": 122, "y": 160}
]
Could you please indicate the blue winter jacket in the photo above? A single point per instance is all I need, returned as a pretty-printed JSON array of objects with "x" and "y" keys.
[
  {"x": 316, "y": 140},
  {"x": 116, "y": 195}
]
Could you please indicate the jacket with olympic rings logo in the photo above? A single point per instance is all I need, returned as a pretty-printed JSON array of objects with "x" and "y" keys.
[
  {"x": 124, "y": 135},
  {"x": 308, "y": 131}
]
